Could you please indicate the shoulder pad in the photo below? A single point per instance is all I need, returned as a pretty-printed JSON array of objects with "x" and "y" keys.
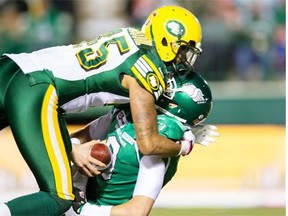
[{"x": 139, "y": 37}]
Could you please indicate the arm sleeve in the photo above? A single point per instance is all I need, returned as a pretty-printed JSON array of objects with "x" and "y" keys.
[
  {"x": 150, "y": 177},
  {"x": 92, "y": 209}
]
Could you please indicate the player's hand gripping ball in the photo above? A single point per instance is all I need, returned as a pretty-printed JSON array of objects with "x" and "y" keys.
[{"x": 101, "y": 152}]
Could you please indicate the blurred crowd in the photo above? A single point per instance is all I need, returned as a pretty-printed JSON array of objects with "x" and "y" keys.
[{"x": 242, "y": 39}]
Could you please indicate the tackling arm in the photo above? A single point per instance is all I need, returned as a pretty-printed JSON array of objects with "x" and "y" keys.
[{"x": 144, "y": 117}]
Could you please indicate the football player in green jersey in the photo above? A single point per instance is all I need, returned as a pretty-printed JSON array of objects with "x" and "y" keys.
[
  {"x": 121, "y": 66},
  {"x": 133, "y": 181}
]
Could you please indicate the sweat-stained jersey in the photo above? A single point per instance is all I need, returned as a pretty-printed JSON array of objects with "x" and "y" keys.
[
  {"x": 89, "y": 73},
  {"x": 117, "y": 185}
]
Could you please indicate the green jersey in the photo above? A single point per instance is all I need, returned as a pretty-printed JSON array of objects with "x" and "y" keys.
[{"x": 131, "y": 173}]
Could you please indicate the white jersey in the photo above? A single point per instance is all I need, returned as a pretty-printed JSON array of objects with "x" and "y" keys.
[{"x": 89, "y": 73}]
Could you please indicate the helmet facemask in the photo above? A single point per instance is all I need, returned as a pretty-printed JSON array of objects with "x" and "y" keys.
[{"x": 186, "y": 55}]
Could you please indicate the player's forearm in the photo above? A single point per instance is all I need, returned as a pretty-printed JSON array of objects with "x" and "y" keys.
[
  {"x": 164, "y": 147},
  {"x": 124, "y": 210},
  {"x": 145, "y": 121},
  {"x": 144, "y": 117},
  {"x": 149, "y": 141},
  {"x": 138, "y": 205}
]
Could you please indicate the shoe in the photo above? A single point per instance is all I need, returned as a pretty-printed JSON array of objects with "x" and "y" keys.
[{"x": 80, "y": 200}]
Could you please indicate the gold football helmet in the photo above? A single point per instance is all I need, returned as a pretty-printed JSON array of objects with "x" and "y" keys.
[{"x": 176, "y": 33}]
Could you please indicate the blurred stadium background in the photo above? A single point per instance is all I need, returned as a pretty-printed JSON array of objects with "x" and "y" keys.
[{"x": 243, "y": 60}]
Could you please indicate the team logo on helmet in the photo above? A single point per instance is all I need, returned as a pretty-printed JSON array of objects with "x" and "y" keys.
[
  {"x": 175, "y": 28},
  {"x": 195, "y": 93}
]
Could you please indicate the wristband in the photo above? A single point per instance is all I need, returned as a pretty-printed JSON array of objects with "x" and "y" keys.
[
  {"x": 186, "y": 147},
  {"x": 75, "y": 141},
  {"x": 180, "y": 152}
]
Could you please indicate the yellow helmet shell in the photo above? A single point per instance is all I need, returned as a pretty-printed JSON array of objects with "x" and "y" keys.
[{"x": 168, "y": 24}]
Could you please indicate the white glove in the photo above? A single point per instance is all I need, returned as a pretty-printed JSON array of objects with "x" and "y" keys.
[
  {"x": 205, "y": 134},
  {"x": 187, "y": 143}
]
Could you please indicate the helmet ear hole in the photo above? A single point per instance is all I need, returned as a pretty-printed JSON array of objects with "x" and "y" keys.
[
  {"x": 192, "y": 43},
  {"x": 164, "y": 42}
]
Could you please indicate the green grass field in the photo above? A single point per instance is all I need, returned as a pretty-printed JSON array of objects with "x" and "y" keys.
[{"x": 219, "y": 212}]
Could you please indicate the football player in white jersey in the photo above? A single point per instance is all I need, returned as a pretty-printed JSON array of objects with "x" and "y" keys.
[{"x": 121, "y": 66}]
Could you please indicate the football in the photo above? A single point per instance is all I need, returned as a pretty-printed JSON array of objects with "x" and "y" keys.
[{"x": 101, "y": 152}]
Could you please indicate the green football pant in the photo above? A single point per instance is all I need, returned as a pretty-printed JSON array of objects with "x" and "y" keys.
[{"x": 41, "y": 135}]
